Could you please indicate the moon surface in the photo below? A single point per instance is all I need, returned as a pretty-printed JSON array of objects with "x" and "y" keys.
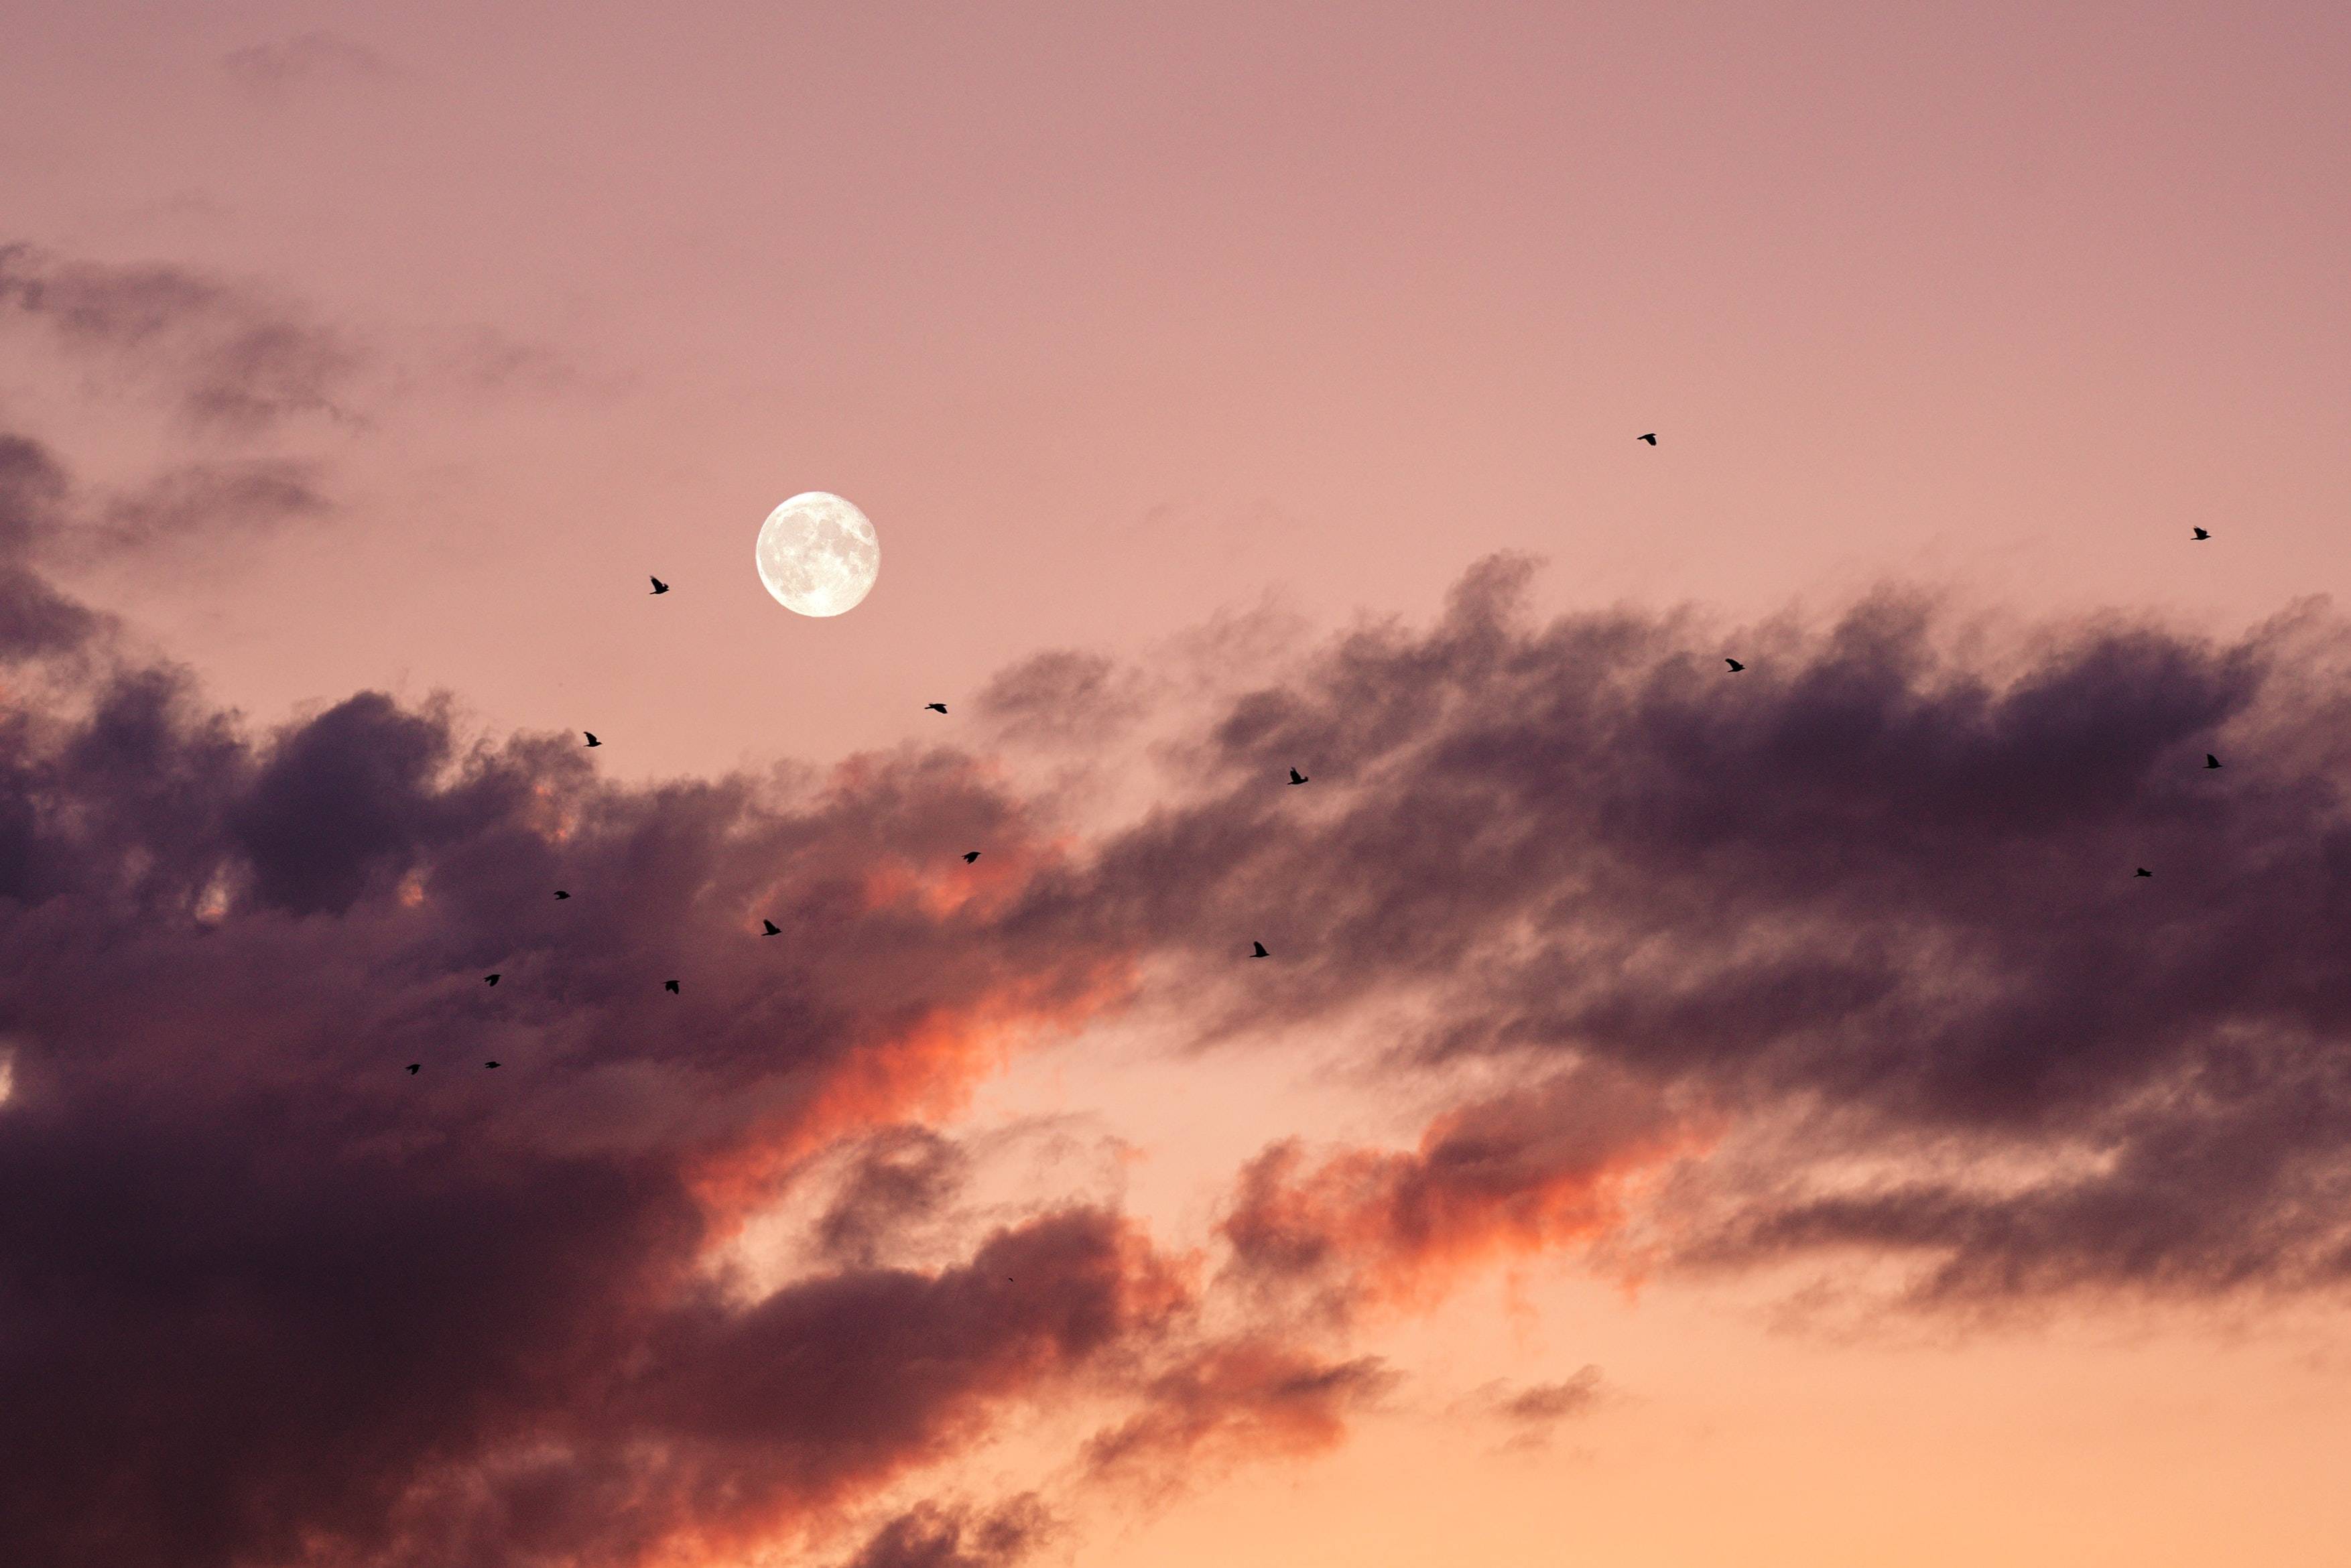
[{"x": 818, "y": 554}]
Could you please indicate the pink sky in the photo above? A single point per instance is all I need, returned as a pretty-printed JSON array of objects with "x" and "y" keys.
[{"x": 1187, "y": 339}]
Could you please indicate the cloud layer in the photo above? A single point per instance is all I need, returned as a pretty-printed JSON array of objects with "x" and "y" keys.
[{"x": 1838, "y": 954}]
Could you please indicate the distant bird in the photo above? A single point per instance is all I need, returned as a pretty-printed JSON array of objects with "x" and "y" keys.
[
  {"x": 591, "y": 737},
  {"x": 935, "y": 707},
  {"x": 1651, "y": 438},
  {"x": 1261, "y": 952},
  {"x": 489, "y": 1065},
  {"x": 2202, "y": 533},
  {"x": 1296, "y": 776},
  {"x": 969, "y": 856},
  {"x": 1735, "y": 666},
  {"x": 491, "y": 978},
  {"x": 772, "y": 930},
  {"x": 415, "y": 1068},
  {"x": 2211, "y": 760},
  {"x": 659, "y": 587},
  {"x": 2142, "y": 872},
  {"x": 670, "y": 985},
  {"x": 561, "y": 893}
]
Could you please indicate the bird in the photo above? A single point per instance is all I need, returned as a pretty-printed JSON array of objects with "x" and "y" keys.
[
  {"x": 772, "y": 930},
  {"x": 2142, "y": 872},
  {"x": 1261, "y": 952},
  {"x": 1651, "y": 438},
  {"x": 935, "y": 707},
  {"x": 969, "y": 856},
  {"x": 1296, "y": 776},
  {"x": 2211, "y": 760},
  {"x": 561, "y": 893},
  {"x": 2202, "y": 533},
  {"x": 670, "y": 985},
  {"x": 493, "y": 979},
  {"x": 591, "y": 737},
  {"x": 659, "y": 586},
  {"x": 489, "y": 1065},
  {"x": 415, "y": 1068},
  {"x": 1735, "y": 666}
]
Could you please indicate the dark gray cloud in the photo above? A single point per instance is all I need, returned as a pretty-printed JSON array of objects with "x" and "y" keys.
[
  {"x": 1873, "y": 894},
  {"x": 316, "y": 58},
  {"x": 266, "y": 1298},
  {"x": 1062, "y": 696},
  {"x": 1538, "y": 1408},
  {"x": 931, "y": 1535},
  {"x": 233, "y": 357}
]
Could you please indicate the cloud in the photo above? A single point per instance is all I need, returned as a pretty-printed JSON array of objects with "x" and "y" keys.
[
  {"x": 932, "y": 1536},
  {"x": 1535, "y": 1171},
  {"x": 1232, "y": 1401},
  {"x": 264, "y": 1295},
  {"x": 201, "y": 502},
  {"x": 1532, "y": 1412},
  {"x": 1062, "y": 696},
  {"x": 1871, "y": 900},
  {"x": 1838, "y": 957},
  {"x": 234, "y": 357},
  {"x": 272, "y": 70}
]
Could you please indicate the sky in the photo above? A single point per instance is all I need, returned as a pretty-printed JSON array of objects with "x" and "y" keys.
[{"x": 1685, "y": 1116}]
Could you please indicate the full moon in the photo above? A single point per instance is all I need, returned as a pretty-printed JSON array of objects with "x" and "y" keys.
[{"x": 818, "y": 554}]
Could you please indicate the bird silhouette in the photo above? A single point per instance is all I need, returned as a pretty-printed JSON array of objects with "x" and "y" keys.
[
  {"x": 1651, "y": 438},
  {"x": 561, "y": 893},
  {"x": 493, "y": 979},
  {"x": 935, "y": 707},
  {"x": 2202, "y": 534},
  {"x": 969, "y": 856},
  {"x": 1261, "y": 952},
  {"x": 489, "y": 1065},
  {"x": 1296, "y": 776},
  {"x": 1735, "y": 666},
  {"x": 772, "y": 928},
  {"x": 415, "y": 1068},
  {"x": 2142, "y": 872},
  {"x": 591, "y": 737},
  {"x": 670, "y": 985},
  {"x": 2211, "y": 760},
  {"x": 659, "y": 587}
]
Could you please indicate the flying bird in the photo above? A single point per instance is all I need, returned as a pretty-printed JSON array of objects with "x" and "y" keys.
[
  {"x": 489, "y": 1065},
  {"x": 2211, "y": 760},
  {"x": 415, "y": 1068},
  {"x": 969, "y": 856},
  {"x": 561, "y": 893},
  {"x": 659, "y": 587},
  {"x": 1261, "y": 952},
  {"x": 2142, "y": 872},
  {"x": 772, "y": 930},
  {"x": 935, "y": 707},
  {"x": 591, "y": 737},
  {"x": 1735, "y": 666},
  {"x": 1296, "y": 776},
  {"x": 2203, "y": 534},
  {"x": 1651, "y": 438},
  {"x": 670, "y": 985},
  {"x": 493, "y": 979}
]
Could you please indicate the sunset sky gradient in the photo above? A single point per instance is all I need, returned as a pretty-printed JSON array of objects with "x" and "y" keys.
[{"x": 1686, "y": 1118}]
